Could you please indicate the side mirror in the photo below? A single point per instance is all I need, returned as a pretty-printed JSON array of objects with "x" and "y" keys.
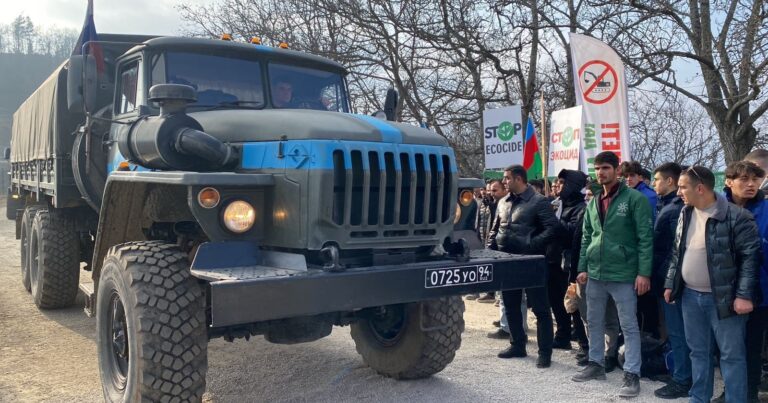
[
  {"x": 390, "y": 104},
  {"x": 75, "y": 83},
  {"x": 90, "y": 83}
]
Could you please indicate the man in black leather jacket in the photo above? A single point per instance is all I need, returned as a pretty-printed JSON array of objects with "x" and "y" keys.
[
  {"x": 713, "y": 273},
  {"x": 525, "y": 224}
]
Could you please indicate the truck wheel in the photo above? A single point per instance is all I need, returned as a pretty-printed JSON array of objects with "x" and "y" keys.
[
  {"x": 151, "y": 333},
  {"x": 54, "y": 261},
  {"x": 26, "y": 230},
  {"x": 411, "y": 341}
]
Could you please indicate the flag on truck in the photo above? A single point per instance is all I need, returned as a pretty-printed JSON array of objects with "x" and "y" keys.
[
  {"x": 88, "y": 34},
  {"x": 531, "y": 156}
]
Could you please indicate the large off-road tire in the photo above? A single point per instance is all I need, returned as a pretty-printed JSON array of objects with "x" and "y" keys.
[
  {"x": 25, "y": 235},
  {"x": 53, "y": 260},
  {"x": 411, "y": 341},
  {"x": 151, "y": 336}
]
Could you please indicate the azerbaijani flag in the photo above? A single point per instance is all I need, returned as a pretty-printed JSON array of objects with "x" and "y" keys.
[{"x": 531, "y": 156}]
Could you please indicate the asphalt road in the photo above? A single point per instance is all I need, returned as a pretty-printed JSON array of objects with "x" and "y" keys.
[{"x": 51, "y": 356}]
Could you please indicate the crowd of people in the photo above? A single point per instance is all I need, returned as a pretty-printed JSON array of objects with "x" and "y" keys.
[{"x": 662, "y": 255}]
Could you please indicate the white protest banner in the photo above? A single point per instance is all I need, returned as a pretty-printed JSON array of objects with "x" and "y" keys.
[
  {"x": 601, "y": 89},
  {"x": 565, "y": 140},
  {"x": 503, "y": 137}
]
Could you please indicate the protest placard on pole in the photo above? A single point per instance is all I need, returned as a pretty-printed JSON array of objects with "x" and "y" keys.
[
  {"x": 502, "y": 137},
  {"x": 601, "y": 90},
  {"x": 565, "y": 140}
]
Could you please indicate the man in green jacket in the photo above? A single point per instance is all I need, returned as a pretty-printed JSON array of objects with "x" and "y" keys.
[{"x": 616, "y": 258}]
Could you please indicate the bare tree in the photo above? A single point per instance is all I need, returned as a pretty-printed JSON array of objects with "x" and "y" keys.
[
  {"x": 451, "y": 59},
  {"x": 726, "y": 40},
  {"x": 668, "y": 127}
]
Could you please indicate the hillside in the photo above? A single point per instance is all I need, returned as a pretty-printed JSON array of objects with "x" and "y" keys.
[{"x": 21, "y": 75}]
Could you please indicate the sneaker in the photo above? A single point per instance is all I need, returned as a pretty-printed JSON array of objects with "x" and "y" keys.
[
  {"x": 631, "y": 387},
  {"x": 487, "y": 298},
  {"x": 513, "y": 352},
  {"x": 544, "y": 361},
  {"x": 498, "y": 334},
  {"x": 497, "y": 323},
  {"x": 592, "y": 371},
  {"x": 561, "y": 344},
  {"x": 672, "y": 390},
  {"x": 471, "y": 297},
  {"x": 610, "y": 364}
]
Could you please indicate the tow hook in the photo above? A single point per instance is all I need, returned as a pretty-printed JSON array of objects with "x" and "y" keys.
[
  {"x": 458, "y": 250},
  {"x": 330, "y": 256}
]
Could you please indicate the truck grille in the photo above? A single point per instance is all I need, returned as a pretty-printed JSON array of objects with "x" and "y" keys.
[{"x": 391, "y": 189}]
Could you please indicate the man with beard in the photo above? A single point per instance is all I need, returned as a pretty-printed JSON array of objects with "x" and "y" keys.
[
  {"x": 525, "y": 224},
  {"x": 616, "y": 258}
]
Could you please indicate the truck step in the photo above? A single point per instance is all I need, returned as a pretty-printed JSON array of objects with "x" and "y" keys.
[{"x": 90, "y": 298}]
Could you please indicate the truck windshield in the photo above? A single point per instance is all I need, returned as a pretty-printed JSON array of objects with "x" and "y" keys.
[
  {"x": 218, "y": 80},
  {"x": 295, "y": 87}
]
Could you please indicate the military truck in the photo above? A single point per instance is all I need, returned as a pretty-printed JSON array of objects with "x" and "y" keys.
[{"x": 222, "y": 189}]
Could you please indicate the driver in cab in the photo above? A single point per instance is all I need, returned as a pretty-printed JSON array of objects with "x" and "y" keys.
[
  {"x": 283, "y": 97},
  {"x": 282, "y": 94}
]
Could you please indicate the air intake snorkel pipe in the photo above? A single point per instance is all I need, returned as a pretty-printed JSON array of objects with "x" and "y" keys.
[
  {"x": 174, "y": 140},
  {"x": 201, "y": 144}
]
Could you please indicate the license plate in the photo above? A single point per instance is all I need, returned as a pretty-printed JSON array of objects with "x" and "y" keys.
[{"x": 458, "y": 276}]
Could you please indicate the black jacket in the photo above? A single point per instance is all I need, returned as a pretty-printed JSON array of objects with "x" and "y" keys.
[
  {"x": 664, "y": 239},
  {"x": 524, "y": 224},
  {"x": 733, "y": 255},
  {"x": 572, "y": 219}
]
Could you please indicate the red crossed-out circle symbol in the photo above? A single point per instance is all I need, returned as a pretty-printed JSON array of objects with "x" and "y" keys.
[{"x": 600, "y": 80}]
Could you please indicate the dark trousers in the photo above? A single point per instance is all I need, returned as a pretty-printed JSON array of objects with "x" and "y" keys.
[
  {"x": 557, "y": 284},
  {"x": 539, "y": 303},
  {"x": 756, "y": 325},
  {"x": 580, "y": 331},
  {"x": 648, "y": 314}
]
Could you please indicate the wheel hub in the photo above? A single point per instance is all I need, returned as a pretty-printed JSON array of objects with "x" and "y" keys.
[
  {"x": 34, "y": 261},
  {"x": 388, "y": 324},
  {"x": 117, "y": 331}
]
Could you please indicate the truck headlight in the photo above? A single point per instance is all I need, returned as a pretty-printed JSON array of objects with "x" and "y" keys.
[
  {"x": 239, "y": 216},
  {"x": 466, "y": 198}
]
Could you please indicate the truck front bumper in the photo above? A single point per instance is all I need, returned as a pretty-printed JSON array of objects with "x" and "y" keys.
[{"x": 246, "y": 293}]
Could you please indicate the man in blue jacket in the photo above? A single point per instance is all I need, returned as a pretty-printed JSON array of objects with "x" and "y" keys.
[
  {"x": 632, "y": 172},
  {"x": 647, "y": 305},
  {"x": 665, "y": 179},
  {"x": 743, "y": 180}
]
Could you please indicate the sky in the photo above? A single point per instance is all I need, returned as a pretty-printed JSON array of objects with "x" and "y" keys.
[{"x": 158, "y": 17}]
